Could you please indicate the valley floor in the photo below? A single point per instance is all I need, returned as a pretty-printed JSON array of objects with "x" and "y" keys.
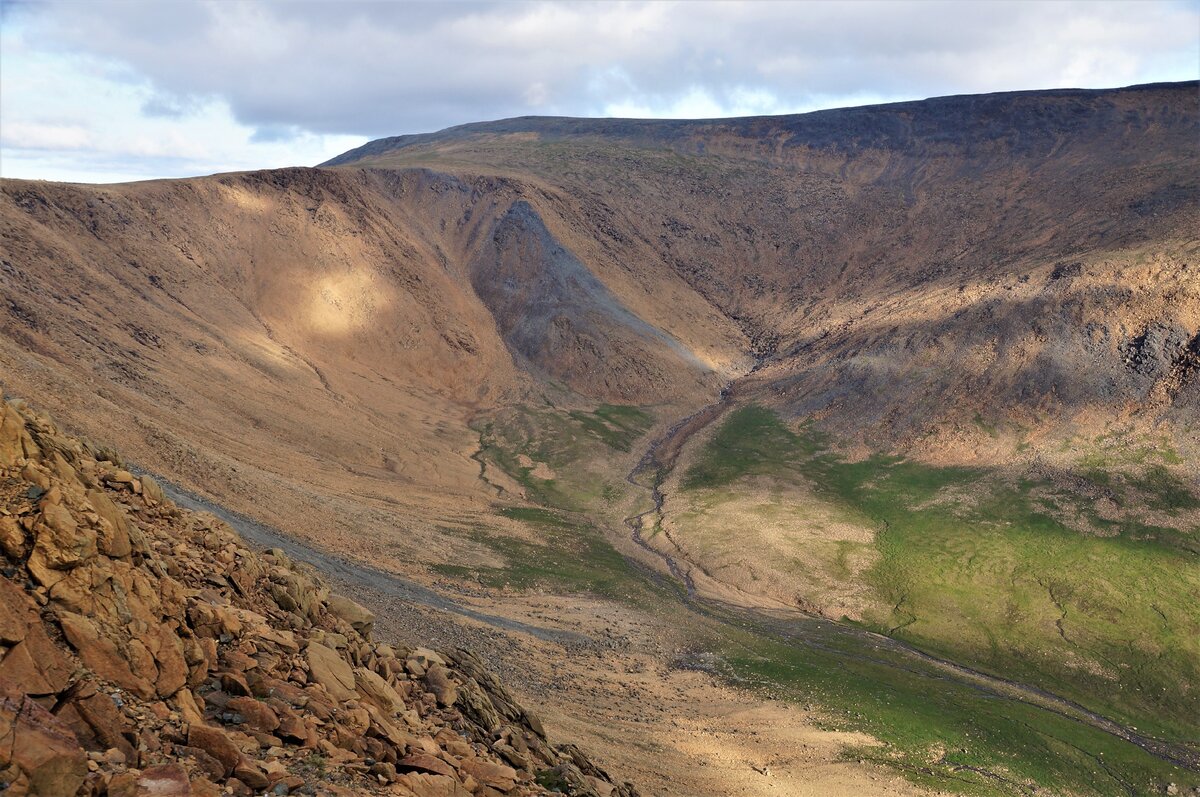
[{"x": 614, "y": 679}]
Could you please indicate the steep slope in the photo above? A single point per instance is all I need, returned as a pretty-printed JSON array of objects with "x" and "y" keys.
[
  {"x": 310, "y": 344},
  {"x": 1043, "y": 242},
  {"x": 144, "y": 649}
]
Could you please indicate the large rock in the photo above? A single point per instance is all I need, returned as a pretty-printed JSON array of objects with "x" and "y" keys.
[
  {"x": 257, "y": 714},
  {"x": 33, "y": 661},
  {"x": 216, "y": 743},
  {"x": 152, "y": 490},
  {"x": 375, "y": 690},
  {"x": 61, "y": 544},
  {"x": 360, "y": 618},
  {"x": 167, "y": 648},
  {"x": 17, "y": 613},
  {"x": 100, "y": 722},
  {"x": 114, "y": 535},
  {"x": 437, "y": 680},
  {"x": 331, "y": 671},
  {"x": 101, "y": 655},
  {"x": 15, "y": 442},
  {"x": 12, "y": 538},
  {"x": 38, "y": 745},
  {"x": 497, "y": 776},
  {"x": 164, "y": 780},
  {"x": 423, "y": 762},
  {"x": 420, "y": 784}
]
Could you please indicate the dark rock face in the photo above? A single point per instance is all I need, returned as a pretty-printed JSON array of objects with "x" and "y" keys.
[{"x": 555, "y": 314}]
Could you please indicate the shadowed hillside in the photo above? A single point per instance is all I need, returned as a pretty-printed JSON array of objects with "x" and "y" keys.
[{"x": 1042, "y": 242}]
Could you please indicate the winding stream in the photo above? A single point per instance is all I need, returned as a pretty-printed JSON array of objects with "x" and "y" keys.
[
  {"x": 797, "y": 627},
  {"x": 791, "y": 626}
]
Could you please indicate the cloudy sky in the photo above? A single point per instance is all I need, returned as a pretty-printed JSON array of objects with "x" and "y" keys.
[{"x": 107, "y": 90}]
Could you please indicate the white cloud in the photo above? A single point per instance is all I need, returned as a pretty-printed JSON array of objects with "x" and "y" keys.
[
  {"x": 35, "y": 135},
  {"x": 151, "y": 88},
  {"x": 87, "y": 119}
]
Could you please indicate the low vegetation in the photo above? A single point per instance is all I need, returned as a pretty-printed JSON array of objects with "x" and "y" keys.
[
  {"x": 1021, "y": 577},
  {"x": 972, "y": 566},
  {"x": 569, "y": 555},
  {"x": 564, "y": 459}
]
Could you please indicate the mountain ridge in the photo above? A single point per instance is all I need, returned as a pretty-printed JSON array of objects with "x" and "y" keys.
[{"x": 827, "y": 122}]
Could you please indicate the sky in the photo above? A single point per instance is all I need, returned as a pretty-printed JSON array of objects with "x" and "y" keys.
[{"x": 115, "y": 90}]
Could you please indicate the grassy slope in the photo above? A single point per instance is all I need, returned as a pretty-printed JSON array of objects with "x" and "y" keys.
[
  {"x": 984, "y": 572},
  {"x": 939, "y": 733},
  {"x": 581, "y": 449}
]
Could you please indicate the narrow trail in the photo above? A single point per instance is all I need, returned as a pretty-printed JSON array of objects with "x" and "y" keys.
[
  {"x": 798, "y": 627},
  {"x": 350, "y": 573}
]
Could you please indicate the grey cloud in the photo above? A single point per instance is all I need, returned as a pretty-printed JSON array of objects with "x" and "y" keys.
[
  {"x": 377, "y": 68},
  {"x": 271, "y": 133}
]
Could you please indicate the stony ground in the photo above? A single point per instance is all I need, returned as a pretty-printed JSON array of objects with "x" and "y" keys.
[{"x": 145, "y": 650}]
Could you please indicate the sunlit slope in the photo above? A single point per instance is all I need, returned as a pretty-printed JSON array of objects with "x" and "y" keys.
[
  {"x": 1026, "y": 257},
  {"x": 312, "y": 345}
]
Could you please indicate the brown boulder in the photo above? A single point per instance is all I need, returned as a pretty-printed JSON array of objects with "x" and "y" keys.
[
  {"x": 101, "y": 655},
  {"x": 19, "y": 667},
  {"x": 15, "y": 442},
  {"x": 38, "y": 745},
  {"x": 437, "y": 680},
  {"x": 331, "y": 671},
  {"x": 185, "y": 701},
  {"x": 249, "y": 773},
  {"x": 420, "y": 784},
  {"x": 216, "y": 743},
  {"x": 97, "y": 722},
  {"x": 33, "y": 661},
  {"x": 377, "y": 691},
  {"x": 113, "y": 538},
  {"x": 61, "y": 544},
  {"x": 422, "y": 762},
  {"x": 152, "y": 491},
  {"x": 12, "y": 538},
  {"x": 17, "y": 612},
  {"x": 258, "y": 715},
  {"x": 360, "y": 618},
  {"x": 293, "y": 729},
  {"x": 164, "y": 780},
  {"x": 167, "y": 649},
  {"x": 497, "y": 776},
  {"x": 211, "y": 766}
]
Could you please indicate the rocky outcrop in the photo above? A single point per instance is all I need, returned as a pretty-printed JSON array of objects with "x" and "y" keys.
[{"x": 145, "y": 649}]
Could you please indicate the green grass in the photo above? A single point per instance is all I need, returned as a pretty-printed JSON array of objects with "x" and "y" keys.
[
  {"x": 751, "y": 441},
  {"x": 569, "y": 556},
  {"x": 972, "y": 568},
  {"x": 578, "y": 446},
  {"x": 937, "y": 732},
  {"x": 985, "y": 572},
  {"x": 1122, "y": 447},
  {"x": 1163, "y": 490}
]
